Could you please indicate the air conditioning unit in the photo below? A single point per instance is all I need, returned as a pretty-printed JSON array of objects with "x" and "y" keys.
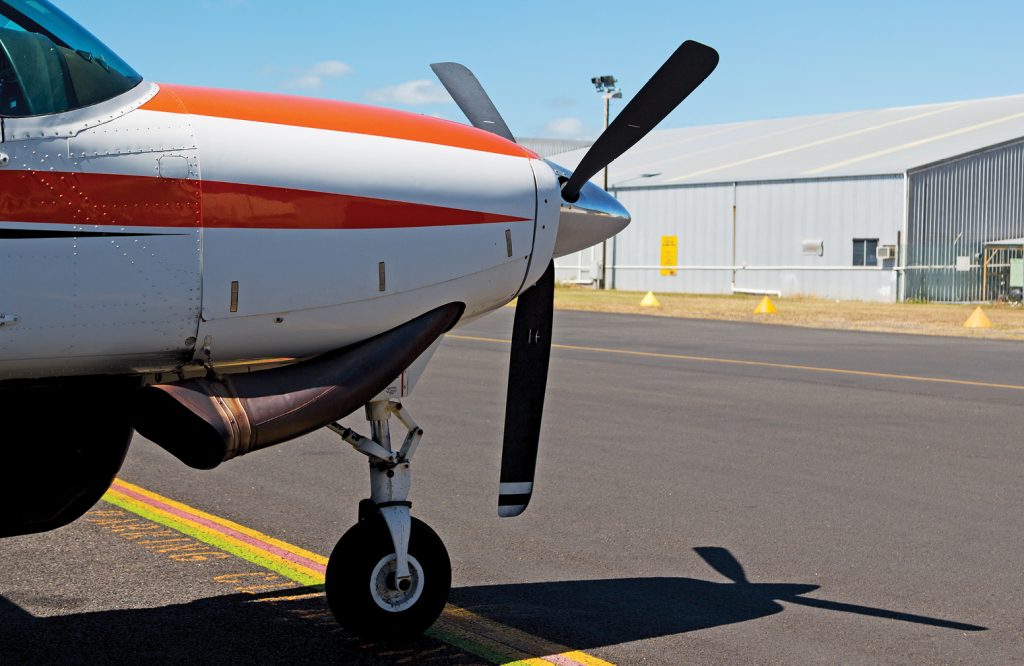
[
  {"x": 814, "y": 247},
  {"x": 883, "y": 252}
]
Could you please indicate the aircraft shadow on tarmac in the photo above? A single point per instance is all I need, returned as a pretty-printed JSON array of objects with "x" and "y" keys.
[
  {"x": 591, "y": 613},
  {"x": 579, "y": 614},
  {"x": 225, "y": 629}
]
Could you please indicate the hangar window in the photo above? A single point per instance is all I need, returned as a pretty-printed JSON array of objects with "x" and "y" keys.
[
  {"x": 864, "y": 251},
  {"x": 50, "y": 64}
]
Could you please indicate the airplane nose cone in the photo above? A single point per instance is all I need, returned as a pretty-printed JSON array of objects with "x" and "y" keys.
[{"x": 594, "y": 217}]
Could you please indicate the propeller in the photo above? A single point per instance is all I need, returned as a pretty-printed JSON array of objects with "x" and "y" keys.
[
  {"x": 471, "y": 97},
  {"x": 686, "y": 69},
  {"x": 524, "y": 404}
]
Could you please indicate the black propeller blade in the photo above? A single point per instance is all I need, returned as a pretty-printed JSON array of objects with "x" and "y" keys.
[
  {"x": 467, "y": 92},
  {"x": 671, "y": 84},
  {"x": 531, "y": 333},
  {"x": 524, "y": 405}
]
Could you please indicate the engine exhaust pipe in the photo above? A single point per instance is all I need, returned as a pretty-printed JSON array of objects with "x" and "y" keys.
[{"x": 204, "y": 422}]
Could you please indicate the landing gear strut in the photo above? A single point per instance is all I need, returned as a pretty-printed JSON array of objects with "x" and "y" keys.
[{"x": 389, "y": 576}]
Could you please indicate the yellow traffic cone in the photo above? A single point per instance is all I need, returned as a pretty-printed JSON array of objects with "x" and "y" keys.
[
  {"x": 650, "y": 301},
  {"x": 978, "y": 319},
  {"x": 765, "y": 307}
]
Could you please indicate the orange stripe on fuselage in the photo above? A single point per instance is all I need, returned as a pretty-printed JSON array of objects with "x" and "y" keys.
[
  {"x": 328, "y": 115},
  {"x": 146, "y": 201}
]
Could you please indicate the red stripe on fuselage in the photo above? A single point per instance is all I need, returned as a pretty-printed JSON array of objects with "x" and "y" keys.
[
  {"x": 224, "y": 204},
  {"x": 143, "y": 201},
  {"x": 328, "y": 115}
]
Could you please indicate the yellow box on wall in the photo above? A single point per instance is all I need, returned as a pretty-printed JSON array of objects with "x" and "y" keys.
[{"x": 669, "y": 254}]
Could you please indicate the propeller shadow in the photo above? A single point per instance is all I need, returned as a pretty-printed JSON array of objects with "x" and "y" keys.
[{"x": 592, "y": 613}]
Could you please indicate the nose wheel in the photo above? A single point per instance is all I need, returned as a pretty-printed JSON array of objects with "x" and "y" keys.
[
  {"x": 367, "y": 597},
  {"x": 389, "y": 576}
]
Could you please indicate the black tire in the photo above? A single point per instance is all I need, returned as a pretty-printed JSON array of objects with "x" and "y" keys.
[
  {"x": 62, "y": 448},
  {"x": 351, "y": 569}
]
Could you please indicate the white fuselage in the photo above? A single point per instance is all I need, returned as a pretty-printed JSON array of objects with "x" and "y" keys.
[{"x": 157, "y": 229}]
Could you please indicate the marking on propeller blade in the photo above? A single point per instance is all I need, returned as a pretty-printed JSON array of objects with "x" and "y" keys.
[
  {"x": 516, "y": 488},
  {"x": 461, "y": 628},
  {"x": 761, "y": 364}
]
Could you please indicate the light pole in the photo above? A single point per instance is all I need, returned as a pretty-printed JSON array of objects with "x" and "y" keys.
[{"x": 605, "y": 86}]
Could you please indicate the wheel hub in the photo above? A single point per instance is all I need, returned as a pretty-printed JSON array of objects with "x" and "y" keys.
[{"x": 391, "y": 594}]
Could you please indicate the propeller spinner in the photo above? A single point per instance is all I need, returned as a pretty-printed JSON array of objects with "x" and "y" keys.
[{"x": 589, "y": 215}]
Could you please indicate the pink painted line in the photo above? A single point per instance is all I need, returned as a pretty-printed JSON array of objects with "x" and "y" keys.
[
  {"x": 226, "y": 531},
  {"x": 559, "y": 659}
]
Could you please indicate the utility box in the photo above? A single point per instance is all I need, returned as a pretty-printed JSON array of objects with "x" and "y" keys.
[{"x": 1016, "y": 273}]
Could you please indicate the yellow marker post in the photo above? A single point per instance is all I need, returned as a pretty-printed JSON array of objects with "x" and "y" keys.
[
  {"x": 978, "y": 319},
  {"x": 765, "y": 307},
  {"x": 650, "y": 301}
]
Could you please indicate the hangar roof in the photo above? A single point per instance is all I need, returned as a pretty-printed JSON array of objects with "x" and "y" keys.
[
  {"x": 857, "y": 143},
  {"x": 548, "y": 147}
]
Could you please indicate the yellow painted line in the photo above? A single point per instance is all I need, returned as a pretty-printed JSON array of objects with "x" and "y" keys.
[
  {"x": 293, "y": 597},
  {"x": 760, "y": 364},
  {"x": 283, "y": 545},
  {"x": 457, "y": 626},
  {"x": 240, "y": 546},
  {"x": 520, "y": 640},
  {"x": 819, "y": 142},
  {"x": 914, "y": 144}
]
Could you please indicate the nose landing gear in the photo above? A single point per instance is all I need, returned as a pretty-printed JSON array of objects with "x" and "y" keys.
[{"x": 389, "y": 576}]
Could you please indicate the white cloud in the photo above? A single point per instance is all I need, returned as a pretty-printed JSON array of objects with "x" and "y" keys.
[
  {"x": 565, "y": 128},
  {"x": 413, "y": 93},
  {"x": 314, "y": 77},
  {"x": 306, "y": 82},
  {"x": 330, "y": 68}
]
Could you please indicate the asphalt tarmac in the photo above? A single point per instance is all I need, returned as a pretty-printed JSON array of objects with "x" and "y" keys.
[{"x": 707, "y": 492}]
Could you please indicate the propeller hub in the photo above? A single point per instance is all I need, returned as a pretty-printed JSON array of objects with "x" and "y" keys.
[{"x": 593, "y": 217}]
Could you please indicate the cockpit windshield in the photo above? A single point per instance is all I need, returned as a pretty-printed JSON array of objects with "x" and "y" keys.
[{"x": 50, "y": 64}]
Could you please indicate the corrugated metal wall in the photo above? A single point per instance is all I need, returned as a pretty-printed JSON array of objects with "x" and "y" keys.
[
  {"x": 701, "y": 217},
  {"x": 773, "y": 219},
  {"x": 776, "y": 217},
  {"x": 954, "y": 208}
]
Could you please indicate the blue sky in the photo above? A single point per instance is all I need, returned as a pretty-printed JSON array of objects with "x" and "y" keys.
[{"x": 778, "y": 59}]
